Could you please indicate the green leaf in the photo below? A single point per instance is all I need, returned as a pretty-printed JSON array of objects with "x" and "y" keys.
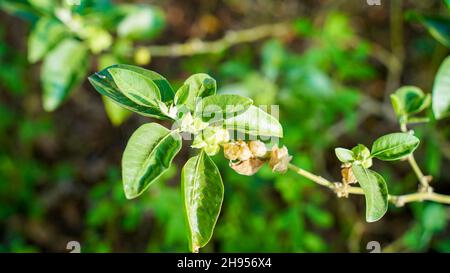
[
  {"x": 441, "y": 91},
  {"x": 344, "y": 155},
  {"x": 362, "y": 155},
  {"x": 141, "y": 22},
  {"x": 447, "y": 3},
  {"x": 116, "y": 114},
  {"x": 45, "y": 35},
  {"x": 255, "y": 121},
  {"x": 165, "y": 89},
  {"x": 46, "y": 6},
  {"x": 149, "y": 153},
  {"x": 438, "y": 27},
  {"x": 375, "y": 191},
  {"x": 135, "y": 86},
  {"x": 63, "y": 68},
  {"x": 219, "y": 107},
  {"x": 202, "y": 190},
  {"x": 181, "y": 95},
  {"x": 409, "y": 100},
  {"x": 20, "y": 9},
  {"x": 434, "y": 217},
  {"x": 105, "y": 84},
  {"x": 394, "y": 146},
  {"x": 199, "y": 86}
]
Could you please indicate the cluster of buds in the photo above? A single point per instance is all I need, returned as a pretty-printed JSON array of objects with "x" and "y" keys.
[
  {"x": 210, "y": 139},
  {"x": 191, "y": 124},
  {"x": 248, "y": 158}
]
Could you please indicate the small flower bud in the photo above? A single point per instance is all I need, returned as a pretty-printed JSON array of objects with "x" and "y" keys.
[{"x": 142, "y": 56}]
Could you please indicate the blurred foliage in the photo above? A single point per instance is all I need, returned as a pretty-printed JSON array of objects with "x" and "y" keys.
[{"x": 58, "y": 180}]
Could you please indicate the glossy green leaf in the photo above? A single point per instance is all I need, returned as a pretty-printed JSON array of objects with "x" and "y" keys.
[
  {"x": 394, "y": 146},
  {"x": 182, "y": 94},
  {"x": 203, "y": 191},
  {"x": 441, "y": 91},
  {"x": 199, "y": 86},
  {"x": 116, "y": 114},
  {"x": 255, "y": 121},
  {"x": 64, "y": 67},
  {"x": 344, "y": 155},
  {"x": 141, "y": 22},
  {"x": 409, "y": 100},
  {"x": 375, "y": 192},
  {"x": 105, "y": 84},
  {"x": 149, "y": 153},
  {"x": 135, "y": 86},
  {"x": 222, "y": 106},
  {"x": 165, "y": 89},
  {"x": 45, "y": 35}
]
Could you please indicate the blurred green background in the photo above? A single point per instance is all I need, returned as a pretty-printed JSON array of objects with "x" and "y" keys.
[{"x": 331, "y": 73}]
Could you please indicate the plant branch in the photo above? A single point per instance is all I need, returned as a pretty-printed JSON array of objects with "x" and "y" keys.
[
  {"x": 423, "y": 179},
  {"x": 397, "y": 200},
  {"x": 230, "y": 39}
]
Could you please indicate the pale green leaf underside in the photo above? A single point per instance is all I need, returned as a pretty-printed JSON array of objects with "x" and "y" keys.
[
  {"x": 441, "y": 91},
  {"x": 344, "y": 155},
  {"x": 219, "y": 107},
  {"x": 375, "y": 191},
  {"x": 141, "y": 22},
  {"x": 116, "y": 114},
  {"x": 45, "y": 35},
  {"x": 148, "y": 154},
  {"x": 64, "y": 67},
  {"x": 203, "y": 191},
  {"x": 394, "y": 146},
  {"x": 255, "y": 121}
]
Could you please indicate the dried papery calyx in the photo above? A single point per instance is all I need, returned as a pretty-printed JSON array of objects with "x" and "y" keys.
[
  {"x": 257, "y": 148},
  {"x": 238, "y": 150},
  {"x": 245, "y": 158},
  {"x": 348, "y": 177},
  {"x": 279, "y": 159},
  {"x": 247, "y": 167}
]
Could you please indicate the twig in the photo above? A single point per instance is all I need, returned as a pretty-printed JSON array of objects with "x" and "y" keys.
[
  {"x": 397, "y": 200},
  {"x": 424, "y": 180},
  {"x": 231, "y": 38}
]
